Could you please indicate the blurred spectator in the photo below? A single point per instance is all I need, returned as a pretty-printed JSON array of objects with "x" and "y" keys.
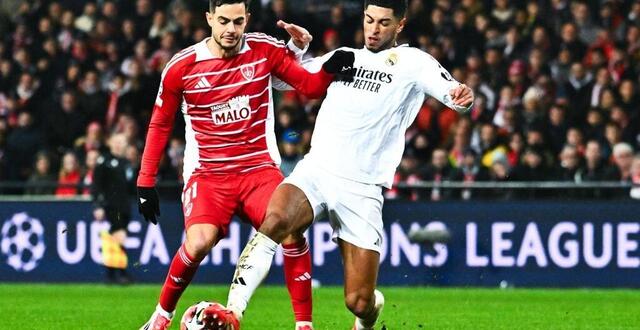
[
  {"x": 577, "y": 91},
  {"x": 86, "y": 21},
  {"x": 569, "y": 169},
  {"x": 622, "y": 158},
  {"x": 42, "y": 181},
  {"x": 22, "y": 145},
  {"x": 635, "y": 177},
  {"x": 557, "y": 127},
  {"x": 594, "y": 168},
  {"x": 290, "y": 151},
  {"x": 440, "y": 170},
  {"x": 547, "y": 74},
  {"x": 92, "y": 100},
  {"x": 90, "y": 162},
  {"x": 66, "y": 122},
  {"x": 69, "y": 176},
  {"x": 160, "y": 25},
  {"x": 532, "y": 168},
  {"x": 489, "y": 144},
  {"x": 472, "y": 171},
  {"x": 92, "y": 140}
]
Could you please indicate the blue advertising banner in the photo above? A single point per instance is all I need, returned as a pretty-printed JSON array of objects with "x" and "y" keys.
[{"x": 541, "y": 243}]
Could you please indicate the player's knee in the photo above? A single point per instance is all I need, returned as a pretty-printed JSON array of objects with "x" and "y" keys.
[
  {"x": 198, "y": 246},
  {"x": 359, "y": 304},
  {"x": 276, "y": 222}
]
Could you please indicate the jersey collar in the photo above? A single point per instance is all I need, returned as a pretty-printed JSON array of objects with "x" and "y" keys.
[
  {"x": 203, "y": 53},
  {"x": 392, "y": 48}
]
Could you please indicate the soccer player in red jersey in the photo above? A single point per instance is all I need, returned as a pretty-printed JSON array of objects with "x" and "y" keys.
[{"x": 223, "y": 87}]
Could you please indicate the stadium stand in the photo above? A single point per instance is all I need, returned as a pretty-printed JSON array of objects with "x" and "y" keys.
[{"x": 556, "y": 84}]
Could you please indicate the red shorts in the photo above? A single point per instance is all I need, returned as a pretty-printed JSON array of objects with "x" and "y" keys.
[{"x": 214, "y": 199}]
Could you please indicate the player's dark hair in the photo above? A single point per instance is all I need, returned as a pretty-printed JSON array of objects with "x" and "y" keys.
[
  {"x": 217, "y": 3},
  {"x": 399, "y": 7}
]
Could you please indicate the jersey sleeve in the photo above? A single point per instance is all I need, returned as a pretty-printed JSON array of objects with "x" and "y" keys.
[
  {"x": 161, "y": 124},
  {"x": 285, "y": 67},
  {"x": 435, "y": 80},
  {"x": 312, "y": 65},
  {"x": 299, "y": 55}
]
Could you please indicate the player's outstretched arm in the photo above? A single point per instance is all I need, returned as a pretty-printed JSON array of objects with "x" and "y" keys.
[
  {"x": 298, "y": 44},
  {"x": 160, "y": 127},
  {"x": 436, "y": 81},
  {"x": 312, "y": 85}
]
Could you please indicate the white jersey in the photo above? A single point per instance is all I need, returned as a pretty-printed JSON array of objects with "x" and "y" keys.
[{"x": 359, "y": 131}]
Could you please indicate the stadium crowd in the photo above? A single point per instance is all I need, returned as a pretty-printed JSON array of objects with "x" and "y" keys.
[{"x": 556, "y": 84}]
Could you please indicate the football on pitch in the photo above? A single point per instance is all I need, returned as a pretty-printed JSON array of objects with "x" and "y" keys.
[{"x": 192, "y": 317}]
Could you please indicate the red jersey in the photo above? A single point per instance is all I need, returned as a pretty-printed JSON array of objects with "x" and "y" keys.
[{"x": 227, "y": 106}]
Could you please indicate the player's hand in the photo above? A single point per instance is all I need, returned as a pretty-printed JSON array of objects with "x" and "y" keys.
[
  {"x": 341, "y": 65},
  {"x": 149, "y": 203},
  {"x": 462, "y": 95},
  {"x": 98, "y": 214},
  {"x": 299, "y": 35}
]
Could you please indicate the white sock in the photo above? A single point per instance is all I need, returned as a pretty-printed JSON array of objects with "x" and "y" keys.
[
  {"x": 304, "y": 323},
  {"x": 369, "y": 324},
  {"x": 161, "y": 311},
  {"x": 253, "y": 266}
]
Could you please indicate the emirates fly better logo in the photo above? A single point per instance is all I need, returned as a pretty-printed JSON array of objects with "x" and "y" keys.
[{"x": 23, "y": 242}]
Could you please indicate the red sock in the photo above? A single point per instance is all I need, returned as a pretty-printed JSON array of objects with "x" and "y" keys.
[
  {"x": 181, "y": 271},
  {"x": 297, "y": 274}
]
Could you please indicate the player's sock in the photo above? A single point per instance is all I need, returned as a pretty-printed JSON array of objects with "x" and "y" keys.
[
  {"x": 181, "y": 271},
  {"x": 297, "y": 274},
  {"x": 164, "y": 313},
  {"x": 253, "y": 266},
  {"x": 370, "y": 321}
]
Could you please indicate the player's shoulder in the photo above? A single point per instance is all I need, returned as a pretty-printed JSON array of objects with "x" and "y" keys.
[
  {"x": 412, "y": 52},
  {"x": 182, "y": 58},
  {"x": 187, "y": 54},
  {"x": 259, "y": 39},
  {"x": 412, "y": 57}
]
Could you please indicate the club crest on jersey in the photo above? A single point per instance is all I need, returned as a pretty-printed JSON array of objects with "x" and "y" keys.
[
  {"x": 235, "y": 110},
  {"x": 248, "y": 71},
  {"x": 392, "y": 59}
]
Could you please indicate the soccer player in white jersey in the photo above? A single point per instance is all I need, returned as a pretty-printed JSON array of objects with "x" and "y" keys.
[
  {"x": 356, "y": 146},
  {"x": 222, "y": 85}
]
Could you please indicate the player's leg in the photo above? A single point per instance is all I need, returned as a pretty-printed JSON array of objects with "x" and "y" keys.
[
  {"x": 356, "y": 216},
  {"x": 289, "y": 211},
  {"x": 259, "y": 187},
  {"x": 360, "y": 276},
  {"x": 199, "y": 240},
  {"x": 208, "y": 208},
  {"x": 297, "y": 276}
]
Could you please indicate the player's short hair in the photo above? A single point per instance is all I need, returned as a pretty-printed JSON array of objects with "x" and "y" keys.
[
  {"x": 217, "y": 3},
  {"x": 399, "y": 7}
]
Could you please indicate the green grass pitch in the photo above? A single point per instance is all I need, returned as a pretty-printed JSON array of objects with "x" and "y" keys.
[{"x": 87, "y": 306}]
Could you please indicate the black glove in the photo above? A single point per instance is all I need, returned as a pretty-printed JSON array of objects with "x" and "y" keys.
[
  {"x": 341, "y": 65},
  {"x": 149, "y": 203}
]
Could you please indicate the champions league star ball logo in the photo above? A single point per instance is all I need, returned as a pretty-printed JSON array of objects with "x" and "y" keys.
[{"x": 23, "y": 242}]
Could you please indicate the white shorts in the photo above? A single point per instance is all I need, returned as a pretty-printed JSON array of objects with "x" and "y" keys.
[{"x": 354, "y": 209}]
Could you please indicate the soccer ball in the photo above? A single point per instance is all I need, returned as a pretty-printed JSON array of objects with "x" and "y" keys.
[{"x": 192, "y": 317}]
